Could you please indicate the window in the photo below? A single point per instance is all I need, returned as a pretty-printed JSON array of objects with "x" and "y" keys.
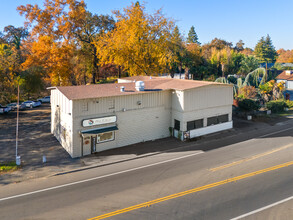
[
  {"x": 177, "y": 125},
  {"x": 84, "y": 107},
  {"x": 223, "y": 118},
  {"x": 218, "y": 119},
  {"x": 194, "y": 124},
  {"x": 111, "y": 104},
  {"x": 107, "y": 136}
]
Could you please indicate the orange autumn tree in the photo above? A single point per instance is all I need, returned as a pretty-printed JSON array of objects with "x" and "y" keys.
[
  {"x": 139, "y": 41},
  {"x": 52, "y": 37},
  {"x": 285, "y": 56}
]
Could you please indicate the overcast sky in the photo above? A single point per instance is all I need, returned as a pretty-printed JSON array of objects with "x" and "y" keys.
[{"x": 230, "y": 20}]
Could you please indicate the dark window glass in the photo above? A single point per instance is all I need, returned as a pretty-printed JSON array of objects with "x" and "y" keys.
[
  {"x": 177, "y": 125},
  {"x": 223, "y": 118},
  {"x": 218, "y": 119},
  {"x": 198, "y": 123},
  {"x": 194, "y": 124},
  {"x": 213, "y": 121},
  {"x": 190, "y": 125}
]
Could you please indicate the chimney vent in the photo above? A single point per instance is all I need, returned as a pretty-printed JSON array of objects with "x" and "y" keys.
[
  {"x": 122, "y": 89},
  {"x": 139, "y": 86}
]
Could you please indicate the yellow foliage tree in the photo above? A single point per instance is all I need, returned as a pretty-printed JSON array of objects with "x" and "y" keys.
[
  {"x": 52, "y": 42},
  {"x": 139, "y": 41}
]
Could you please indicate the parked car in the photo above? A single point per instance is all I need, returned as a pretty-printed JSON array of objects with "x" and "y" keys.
[
  {"x": 37, "y": 103},
  {"x": 45, "y": 99},
  {"x": 30, "y": 104},
  {"x": 13, "y": 106},
  {"x": 5, "y": 109}
]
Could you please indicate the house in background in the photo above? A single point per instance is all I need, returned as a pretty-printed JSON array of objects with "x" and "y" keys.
[
  {"x": 287, "y": 77},
  {"x": 92, "y": 118}
]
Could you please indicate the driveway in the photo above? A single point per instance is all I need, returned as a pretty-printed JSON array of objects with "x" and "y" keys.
[{"x": 35, "y": 140}]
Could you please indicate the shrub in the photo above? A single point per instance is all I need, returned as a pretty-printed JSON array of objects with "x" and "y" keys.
[
  {"x": 248, "y": 105},
  {"x": 277, "y": 106},
  {"x": 247, "y": 92},
  {"x": 289, "y": 104}
]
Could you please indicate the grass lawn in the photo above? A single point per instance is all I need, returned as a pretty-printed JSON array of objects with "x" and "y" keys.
[
  {"x": 274, "y": 117},
  {"x": 7, "y": 167}
]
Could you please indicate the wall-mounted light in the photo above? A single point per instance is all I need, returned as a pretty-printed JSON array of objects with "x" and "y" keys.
[
  {"x": 123, "y": 109},
  {"x": 139, "y": 102}
]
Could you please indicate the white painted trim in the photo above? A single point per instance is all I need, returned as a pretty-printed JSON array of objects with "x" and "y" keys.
[
  {"x": 211, "y": 129},
  {"x": 99, "y": 177},
  {"x": 263, "y": 208}
]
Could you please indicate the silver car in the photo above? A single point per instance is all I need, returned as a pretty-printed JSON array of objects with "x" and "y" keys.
[
  {"x": 30, "y": 104},
  {"x": 13, "y": 106}
]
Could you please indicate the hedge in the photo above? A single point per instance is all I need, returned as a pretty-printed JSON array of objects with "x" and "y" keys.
[
  {"x": 277, "y": 106},
  {"x": 248, "y": 105}
]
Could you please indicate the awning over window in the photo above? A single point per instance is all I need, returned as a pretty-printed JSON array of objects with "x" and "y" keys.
[{"x": 100, "y": 130}]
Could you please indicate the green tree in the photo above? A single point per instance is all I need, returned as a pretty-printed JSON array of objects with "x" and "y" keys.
[
  {"x": 87, "y": 32},
  {"x": 14, "y": 36},
  {"x": 192, "y": 36},
  {"x": 265, "y": 50},
  {"x": 239, "y": 46},
  {"x": 248, "y": 64},
  {"x": 178, "y": 51},
  {"x": 31, "y": 81}
]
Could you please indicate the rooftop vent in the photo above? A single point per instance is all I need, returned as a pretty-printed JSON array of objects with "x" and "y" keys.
[
  {"x": 139, "y": 86},
  {"x": 122, "y": 89}
]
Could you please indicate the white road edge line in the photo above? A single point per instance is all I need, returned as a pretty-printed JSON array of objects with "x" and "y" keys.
[
  {"x": 120, "y": 172},
  {"x": 275, "y": 132},
  {"x": 99, "y": 177},
  {"x": 263, "y": 208}
]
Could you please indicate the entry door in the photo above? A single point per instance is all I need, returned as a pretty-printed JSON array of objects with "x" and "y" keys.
[{"x": 94, "y": 143}]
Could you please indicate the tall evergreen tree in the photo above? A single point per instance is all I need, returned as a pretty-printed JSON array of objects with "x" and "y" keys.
[
  {"x": 265, "y": 50},
  {"x": 177, "y": 49},
  {"x": 239, "y": 46},
  {"x": 192, "y": 36}
]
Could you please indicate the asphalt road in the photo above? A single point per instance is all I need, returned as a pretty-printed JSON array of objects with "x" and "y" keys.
[{"x": 188, "y": 184}]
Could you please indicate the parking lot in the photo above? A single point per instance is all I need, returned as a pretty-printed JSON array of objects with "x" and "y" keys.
[{"x": 35, "y": 140}]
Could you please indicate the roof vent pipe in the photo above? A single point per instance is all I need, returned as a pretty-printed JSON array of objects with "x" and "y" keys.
[
  {"x": 139, "y": 86},
  {"x": 122, "y": 89}
]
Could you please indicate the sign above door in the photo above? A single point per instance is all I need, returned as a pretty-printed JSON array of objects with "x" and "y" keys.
[{"x": 99, "y": 121}]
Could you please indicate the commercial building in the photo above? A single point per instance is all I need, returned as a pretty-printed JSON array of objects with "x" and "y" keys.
[{"x": 92, "y": 118}]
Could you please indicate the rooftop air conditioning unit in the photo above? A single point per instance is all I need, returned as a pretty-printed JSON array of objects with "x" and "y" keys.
[
  {"x": 139, "y": 86},
  {"x": 288, "y": 72}
]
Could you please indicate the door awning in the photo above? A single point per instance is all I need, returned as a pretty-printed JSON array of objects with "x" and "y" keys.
[{"x": 100, "y": 130}]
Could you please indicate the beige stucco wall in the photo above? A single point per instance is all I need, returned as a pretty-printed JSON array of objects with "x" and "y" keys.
[
  {"x": 149, "y": 120},
  {"x": 203, "y": 102},
  {"x": 61, "y": 117}
]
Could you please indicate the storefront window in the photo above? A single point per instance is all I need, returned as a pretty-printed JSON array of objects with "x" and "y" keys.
[{"x": 107, "y": 136}]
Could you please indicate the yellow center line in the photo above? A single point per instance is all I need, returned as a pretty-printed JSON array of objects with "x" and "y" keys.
[
  {"x": 180, "y": 194},
  {"x": 250, "y": 158}
]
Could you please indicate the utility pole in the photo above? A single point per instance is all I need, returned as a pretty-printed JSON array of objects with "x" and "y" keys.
[{"x": 17, "y": 158}]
